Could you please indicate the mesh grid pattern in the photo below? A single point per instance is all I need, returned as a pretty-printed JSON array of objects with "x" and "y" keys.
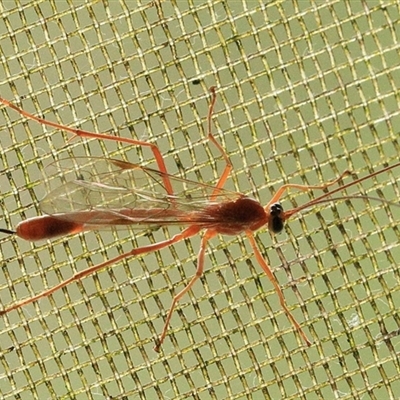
[{"x": 306, "y": 89}]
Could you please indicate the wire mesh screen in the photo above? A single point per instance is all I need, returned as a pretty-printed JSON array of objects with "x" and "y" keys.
[{"x": 306, "y": 90}]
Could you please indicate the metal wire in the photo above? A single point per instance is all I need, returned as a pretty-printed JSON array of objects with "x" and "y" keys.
[{"x": 306, "y": 89}]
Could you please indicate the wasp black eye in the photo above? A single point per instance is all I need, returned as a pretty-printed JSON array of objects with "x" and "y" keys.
[{"x": 275, "y": 223}]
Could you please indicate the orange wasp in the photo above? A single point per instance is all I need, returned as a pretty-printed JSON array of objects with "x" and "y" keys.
[{"x": 127, "y": 194}]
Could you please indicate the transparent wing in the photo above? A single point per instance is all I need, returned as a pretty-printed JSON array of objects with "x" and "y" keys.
[{"x": 112, "y": 192}]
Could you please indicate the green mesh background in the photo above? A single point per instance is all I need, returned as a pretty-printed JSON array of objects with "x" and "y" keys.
[{"x": 306, "y": 89}]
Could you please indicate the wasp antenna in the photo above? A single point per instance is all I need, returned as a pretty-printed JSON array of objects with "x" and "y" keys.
[{"x": 327, "y": 199}]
